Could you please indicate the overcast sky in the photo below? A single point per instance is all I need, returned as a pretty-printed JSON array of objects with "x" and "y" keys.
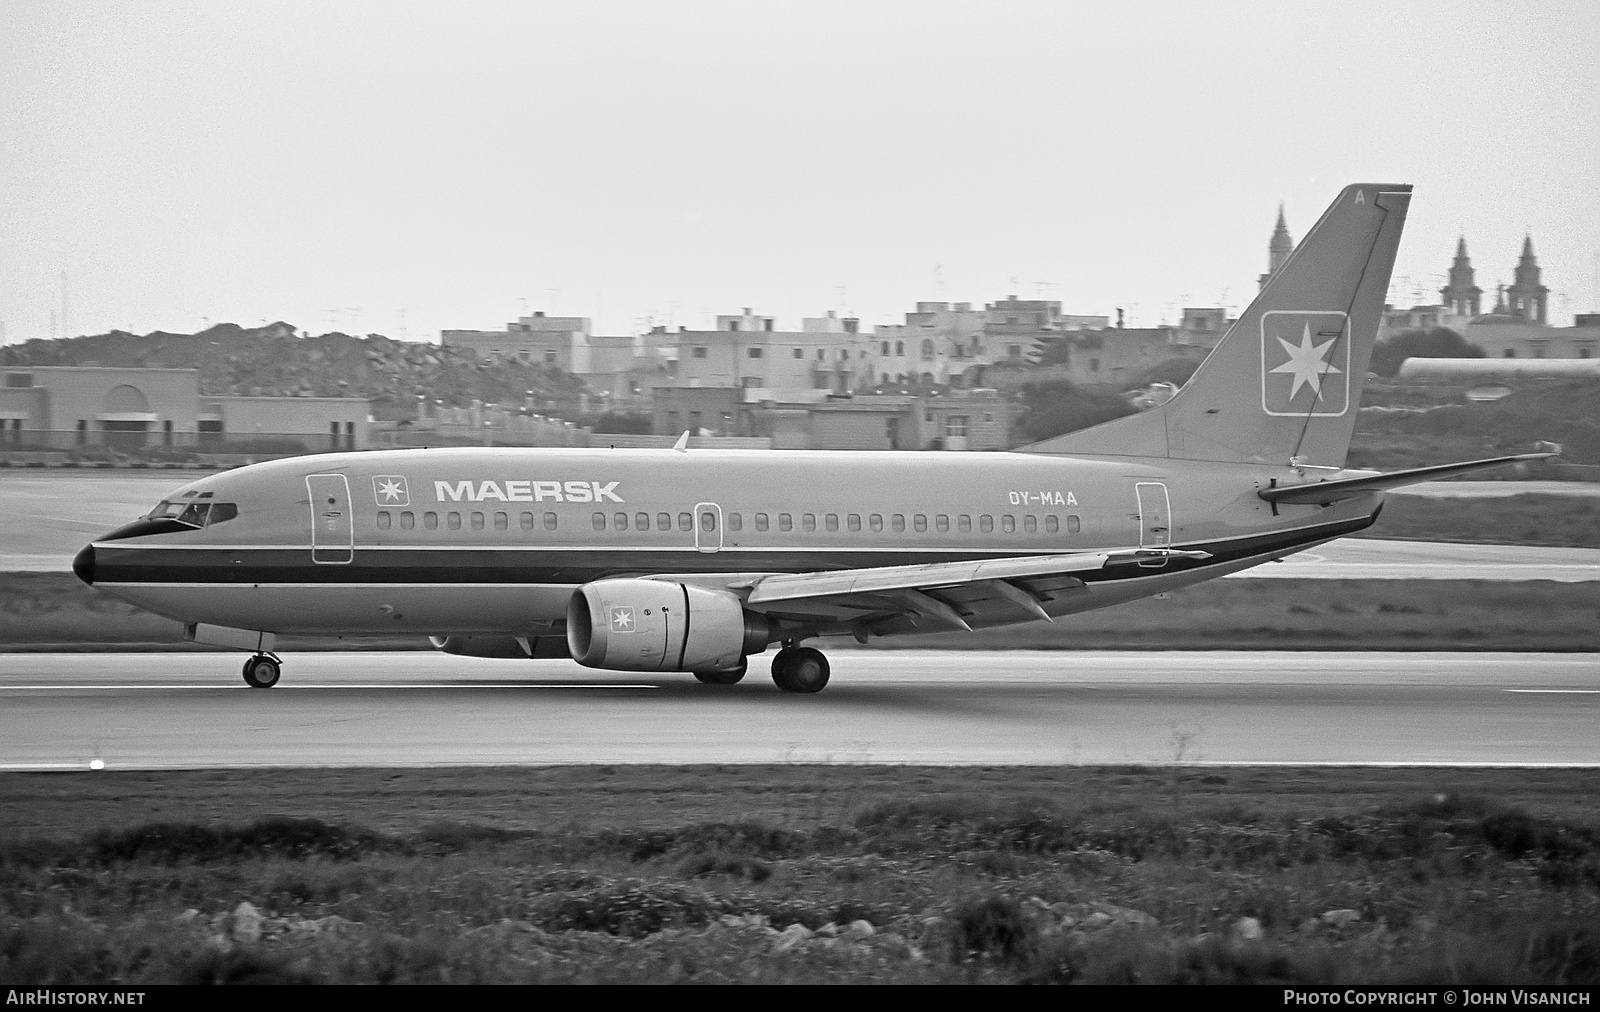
[{"x": 457, "y": 165}]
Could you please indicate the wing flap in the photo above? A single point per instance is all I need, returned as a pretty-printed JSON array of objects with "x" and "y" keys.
[{"x": 849, "y": 583}]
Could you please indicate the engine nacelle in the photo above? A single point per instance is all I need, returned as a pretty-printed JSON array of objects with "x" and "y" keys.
[
  {"x": 517, "y": 647},
  {"x": 657, "y": 625}
]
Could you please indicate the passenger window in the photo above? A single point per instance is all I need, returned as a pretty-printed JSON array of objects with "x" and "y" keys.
[
  {"x": 599, "y": 520},
  {"x": 875, "y": 521},
  {"x": 735, "y": 522},
  {"x": 477, "y": 521},
  {"x": 663, "y": 521},
  {"x": 1008, "y": 524},
  {"x": 383, "y": 520},
  {"x": 222, "y": 512},
  {"x": 986, "y": 524},
  {"x": 685, "y": 522},
  {"x": 526, "y": 520},
  {"x": 919, "y": 523},
  {"x": 1030, "y": 524},
  {"x": 550, "y": 520},
  {"x": 430, "y": 520},
  {"x": 641, "y": 521},
  {"x": 1072, "y": 524},
  {"x": 408, "y": 521},
  {"x": 808, "y": 522},
  {"x": 621, "y": 521},
  {"x": 1051, "y": 524},
  {"x": 831, "y": 521},
  {"x": 708, "y": 521},
  {"x": 761, "y": 521},
  {"x": 501, "y": 521},
  {"x": 897, "y": 523},
  {"x": 941, "y": 523},
  {"x": 853, "y": 521},
  {"x": 452, "y": 520},
  {"x": 785, "y": 522},
  {"x": 964, "y": 524}
]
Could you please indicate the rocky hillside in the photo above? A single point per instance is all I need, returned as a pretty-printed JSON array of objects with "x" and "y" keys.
[{"x": 272, "y": 361}]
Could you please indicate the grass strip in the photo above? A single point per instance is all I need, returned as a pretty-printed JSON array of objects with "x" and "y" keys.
[{"x": 806, "y": 874}]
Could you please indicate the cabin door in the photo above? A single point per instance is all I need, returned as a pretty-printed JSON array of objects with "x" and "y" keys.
[
  {"x": 708, "y": 527},
  {"x": 332, "y": 527},
  {"x": 1155, "y": 520}
]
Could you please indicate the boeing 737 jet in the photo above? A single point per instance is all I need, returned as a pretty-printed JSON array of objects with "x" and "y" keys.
[{"x": 694, "y": 560}]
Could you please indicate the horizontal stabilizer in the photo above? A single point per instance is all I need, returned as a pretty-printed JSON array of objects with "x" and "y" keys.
[{"x": 1322, "y": 493}]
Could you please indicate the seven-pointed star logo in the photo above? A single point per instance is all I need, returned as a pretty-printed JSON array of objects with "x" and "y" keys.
[
  {"x": 622, "y": 620},
  {"x": 390, "y": 490},
  {"x": 1305, "y": 363},
  {"x": 1308, "y": 363}
]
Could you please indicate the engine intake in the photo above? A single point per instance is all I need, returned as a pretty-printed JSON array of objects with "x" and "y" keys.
[{"x": 657, "y": 625}]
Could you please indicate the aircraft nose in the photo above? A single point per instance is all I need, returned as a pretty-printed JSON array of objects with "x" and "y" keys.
[{"x": 83, "y": 564}]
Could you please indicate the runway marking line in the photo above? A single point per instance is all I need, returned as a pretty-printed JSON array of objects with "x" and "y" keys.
[
  {"x": 450, "y": 763},
  {"x": 426, "y": 685},
  {"x": 1558, "y": 692}
]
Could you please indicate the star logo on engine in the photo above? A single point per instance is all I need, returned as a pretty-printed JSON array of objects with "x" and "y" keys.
[
  {"x": 390, "y": 490},
  {"x": 1305, "y": 363},
  {"x": 622, "y": 620}
]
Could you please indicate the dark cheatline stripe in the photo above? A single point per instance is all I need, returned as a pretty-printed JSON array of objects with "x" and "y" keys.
[{"x": 445, "y": 567}]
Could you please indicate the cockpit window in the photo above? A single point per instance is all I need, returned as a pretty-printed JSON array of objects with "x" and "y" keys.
[{"x": 196, "y": 514}]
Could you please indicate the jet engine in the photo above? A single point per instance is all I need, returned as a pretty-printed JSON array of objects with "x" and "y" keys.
[
  {"x": 658, "y": 625},
  {"x": 517, "y": 647}
]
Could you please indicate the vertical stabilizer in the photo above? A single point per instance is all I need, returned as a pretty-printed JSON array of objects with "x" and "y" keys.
[{"x": 1285, "y": 383}]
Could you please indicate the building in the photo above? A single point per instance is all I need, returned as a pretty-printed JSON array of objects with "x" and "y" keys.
[
  {"x": 1517, "y": 327},
  {"x": 955, "y": 420},
  {"x": 1278, "y": 249},
  {"x": 138, "y": 410},
  {"x": 561, "y": 342},
  {"x": 950, "y": 344}
]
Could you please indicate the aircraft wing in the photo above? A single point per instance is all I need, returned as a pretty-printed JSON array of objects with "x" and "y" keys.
[
  {"x": 945, "y": 595},
  {"x": 1322, "y": 493}
]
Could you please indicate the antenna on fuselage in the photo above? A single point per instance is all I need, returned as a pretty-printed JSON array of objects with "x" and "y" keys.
[{"x": 682, "y": 445}]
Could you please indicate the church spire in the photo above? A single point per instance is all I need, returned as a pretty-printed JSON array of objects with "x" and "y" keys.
[
  {"x": 1461, "y": 296},
  {"x": 1527, "y": 296},
  {"x": 1278, "y": 248}
]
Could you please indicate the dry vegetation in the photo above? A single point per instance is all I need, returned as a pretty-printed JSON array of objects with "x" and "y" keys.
[{"x": 810, "y": 874}]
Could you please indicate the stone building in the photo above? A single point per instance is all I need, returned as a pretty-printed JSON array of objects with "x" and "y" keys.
[{"x": 133, "y": 410}]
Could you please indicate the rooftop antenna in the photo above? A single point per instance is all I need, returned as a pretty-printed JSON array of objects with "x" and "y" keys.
[{"x": 938, "y": 282}]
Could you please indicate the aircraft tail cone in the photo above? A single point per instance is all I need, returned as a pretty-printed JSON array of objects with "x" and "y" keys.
[{"x": 83, "y": 564}]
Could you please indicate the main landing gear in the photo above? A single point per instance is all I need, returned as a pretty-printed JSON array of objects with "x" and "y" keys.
[
  {"x": 800, "y": 669},
  {"x": 262, "y": 671}
]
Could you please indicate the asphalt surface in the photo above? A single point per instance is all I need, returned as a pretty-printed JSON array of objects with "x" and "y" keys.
[
  {"x": 66, "y": 711},
  {"x": 54, "y": 514}
]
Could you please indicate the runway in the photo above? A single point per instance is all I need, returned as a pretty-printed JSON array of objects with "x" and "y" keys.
[{"x": 153, "y": 711}]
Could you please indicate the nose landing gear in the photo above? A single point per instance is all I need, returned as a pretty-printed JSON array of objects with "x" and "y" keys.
[
  {"x": 262, "y": 671},
  {"x": 800, "y": 669}
]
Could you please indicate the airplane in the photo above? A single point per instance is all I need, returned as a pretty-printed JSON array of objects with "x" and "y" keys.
[{"x": 694, "y": 560}]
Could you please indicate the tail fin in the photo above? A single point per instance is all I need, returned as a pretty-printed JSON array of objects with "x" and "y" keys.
[{"x": 1285, "y": 383}]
